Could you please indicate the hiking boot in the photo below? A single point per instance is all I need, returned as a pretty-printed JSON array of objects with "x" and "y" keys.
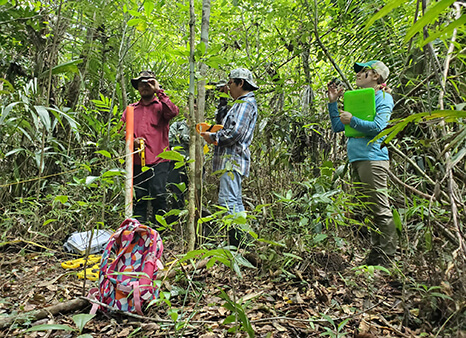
[{"x": 377, "y": 257}]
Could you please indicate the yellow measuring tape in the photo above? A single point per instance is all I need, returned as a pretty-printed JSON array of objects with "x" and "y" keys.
[{"x": 91, "y": 273}]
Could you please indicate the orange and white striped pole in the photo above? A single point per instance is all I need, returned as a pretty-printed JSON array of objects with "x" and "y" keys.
[{"x": 129, "y": 161}]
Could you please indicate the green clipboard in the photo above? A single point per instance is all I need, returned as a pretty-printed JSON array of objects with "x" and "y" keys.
[{"x": 360, "y": 103}]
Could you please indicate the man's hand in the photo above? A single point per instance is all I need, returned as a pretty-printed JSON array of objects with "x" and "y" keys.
[
  {"x": 345, "y": 117},
  {"x": 154, "y": 84},
  {"x": 136, "y": 142},
  {"x": 207, "y": 138}
]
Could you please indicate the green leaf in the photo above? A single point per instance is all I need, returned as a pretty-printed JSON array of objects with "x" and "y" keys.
[
  {"x": 292, "y": 256},
  {"x": 46, "y": 327},
  {"x": 429, "y": 16},
  {"x": 135, "y": 22},
  {"x": 447, "y": 30},
  {"x": 114, "y": 172},
  {"x": 67, "y": 67},
  {"x": 44, "y": 117},
  {"x": 230, "y": 319},
  {"x": 148, "y": 7},
  {"x": 91, "y": 179},
  {"x": 201, "y": 48},
  {"x": 173, "y": 314},
  {"x": 49, "y": 221},
  {"x": 134, "y": 13},
  {"x": 384, "y": 11},
  {"x": 14, "y": 151},
  {"x": 171, "y": 155},
  {"x": 440, "y": 295},
  {"x": 103, "y": 152},
  {"x": 82, "y": 319},
  {"x": 61, "y": 198},
  {"x": 397, "y": 221},
  {"x": 428, "y": 239},
  {"x": 319, "y": 238},
  {"x": 342, "y": 324}
]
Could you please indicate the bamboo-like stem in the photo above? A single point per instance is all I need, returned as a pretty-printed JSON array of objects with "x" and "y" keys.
[
  {"x": 191, "y": 230},
  {"x": 446, "y": 64}
]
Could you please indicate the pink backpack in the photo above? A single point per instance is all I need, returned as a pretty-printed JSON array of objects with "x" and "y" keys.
[{"x": 128, "y": 282}]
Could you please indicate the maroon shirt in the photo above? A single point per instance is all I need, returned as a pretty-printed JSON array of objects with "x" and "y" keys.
[{"x": 152, "y": 123}]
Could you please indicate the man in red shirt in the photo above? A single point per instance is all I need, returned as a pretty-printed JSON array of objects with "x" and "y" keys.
[{"x": 152, "y": 114}]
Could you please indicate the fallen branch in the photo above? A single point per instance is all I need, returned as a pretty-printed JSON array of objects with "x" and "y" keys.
[
  {"x": 407, "y": 186},
  {"x": 69, "y": 306},
  {"x": 133, "y": 315}
]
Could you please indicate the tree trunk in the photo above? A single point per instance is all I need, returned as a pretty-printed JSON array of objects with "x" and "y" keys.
[
  {"x": 191, "y": 225},
  {"x": 199, "y": 163}
]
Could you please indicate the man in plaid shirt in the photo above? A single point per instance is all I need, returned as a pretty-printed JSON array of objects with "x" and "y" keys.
[{"x": 231, "y": 154}]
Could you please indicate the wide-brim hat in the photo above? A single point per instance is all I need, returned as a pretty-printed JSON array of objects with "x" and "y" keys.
[
  {"x": 145, "y": 74},
  {"x": 376, "y": 65},
  {"x": 245, "y": 74}
]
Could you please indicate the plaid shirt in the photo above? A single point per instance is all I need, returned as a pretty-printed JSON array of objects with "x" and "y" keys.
[{"x": 232, "y": 151}]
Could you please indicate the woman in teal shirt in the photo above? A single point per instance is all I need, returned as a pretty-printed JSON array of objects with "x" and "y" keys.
[{"x": 370, "y": 162}]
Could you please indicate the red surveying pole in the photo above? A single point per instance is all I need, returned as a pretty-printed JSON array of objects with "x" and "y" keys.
[{"x": 129, "y": 161}]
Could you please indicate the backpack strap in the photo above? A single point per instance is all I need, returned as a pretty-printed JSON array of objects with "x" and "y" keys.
[
  {"x": 92, "y": 295},
  {"x": 137, "y": 297}
]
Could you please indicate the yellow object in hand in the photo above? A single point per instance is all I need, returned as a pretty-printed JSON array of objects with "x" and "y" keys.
[{"x": 142, "y": 147}]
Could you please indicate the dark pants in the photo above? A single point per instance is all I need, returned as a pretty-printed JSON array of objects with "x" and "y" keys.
[
  {"x": 174, "y": 186},
  {"x": 150, "y": 185}
]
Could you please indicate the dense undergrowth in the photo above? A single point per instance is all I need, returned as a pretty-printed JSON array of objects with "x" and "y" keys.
[{"x": 61, "y": 150}]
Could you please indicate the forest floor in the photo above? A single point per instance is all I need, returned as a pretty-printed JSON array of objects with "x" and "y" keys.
[{"x": 321, "y": 294}]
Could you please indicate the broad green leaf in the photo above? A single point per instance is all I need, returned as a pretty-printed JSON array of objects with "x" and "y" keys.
[
  {"x": 91, "y": 179},
  {"x": 61, "y": 198},
  {"x": 440, "y": 295},
  {"x": 82, "y": 319},
  {"x": 71, "y": 121},
  {"x": 44, "y": 117},
  {"x": 230, "y": 319},
  {"x": 384, "y": 11},
  {"x": 104, "y": 153},
  {"x": 201, "y": 47},
  {"x": 7, "y": 110},
  {"x": 14, "y": 151},
  {"x": 319, "y": 238},
  {"x": 447, "y": 30},
  {"x": 114, "y": 172},
  {"x": 46, "y": 327},
  {"x": 135, "y": 22},
  {"x": 148, "y": 7},
  {"x": 134, "y": 13},
  {"x": 429, "y": 16},
  {"x": 171, "y": 155},
  {"x": 173, "y": 314},
  {"x": 161, "y": 220},
  {"x": 67, "y": 67}
]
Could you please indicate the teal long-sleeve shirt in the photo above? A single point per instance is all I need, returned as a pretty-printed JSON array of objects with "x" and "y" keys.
[{"x": 359, "y": 148}]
